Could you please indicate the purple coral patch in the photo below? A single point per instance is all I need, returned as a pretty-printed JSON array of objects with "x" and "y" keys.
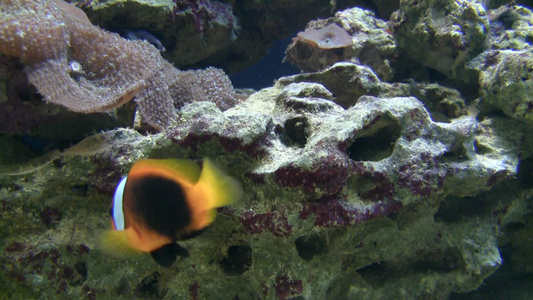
[
  {"x": 82, "y": 249},
  {"x": 329, "y": 176},
  {"x": 382, "y": 187},
  {"x": 275, "y": 222},
  {"x": 89, "y": 292},
  {"x": 193, "y": 291},
  {"x": 422, "y": 177},
  {"x": 254, "y": 149},
  {"x": 497, "y": 177},
  {"x": 15, "y": 247},
  {"x": 22, "y": 258},
  {"x": 203, "y": 12},
  {"x": 50, "y": 216},
  {"x": 335, "y": 213},
  {"x": 106, "y": 176},
  {"x": 287, "y": 287}
]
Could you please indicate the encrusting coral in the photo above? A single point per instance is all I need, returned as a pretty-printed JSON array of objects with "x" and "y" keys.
[
  {"x": 353, "y": 35},
  {"x": 87, "y": 69},
  {"x": 329, "y": 37}
]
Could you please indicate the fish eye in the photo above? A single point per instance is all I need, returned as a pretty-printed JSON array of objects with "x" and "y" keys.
[{"x": 111, "y": 212}]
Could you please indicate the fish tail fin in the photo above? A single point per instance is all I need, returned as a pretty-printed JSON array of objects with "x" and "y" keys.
[
  {"x": 214, "y": 189},
  {"x": 115, "y": 243},
  {"x": 220, "y": 188}
]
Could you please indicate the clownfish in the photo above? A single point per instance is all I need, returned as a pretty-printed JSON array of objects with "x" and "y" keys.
[{"x": 162, "y": 201}]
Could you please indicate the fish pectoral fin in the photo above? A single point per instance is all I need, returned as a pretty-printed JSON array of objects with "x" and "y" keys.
[
  {"x": 115, "y": 243},
  {"x": 221, "y": 188},
  {"x": 166, "y": 255}
]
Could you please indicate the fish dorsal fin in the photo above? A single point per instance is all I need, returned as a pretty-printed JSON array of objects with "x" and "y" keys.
[
  {"x": 115, "y": 243},
  {"x": 219, "y": 188},
  {"x": 183, "y": 168}
]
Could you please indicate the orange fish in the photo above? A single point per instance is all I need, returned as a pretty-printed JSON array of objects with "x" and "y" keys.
[{"x": 162, "y": 201}]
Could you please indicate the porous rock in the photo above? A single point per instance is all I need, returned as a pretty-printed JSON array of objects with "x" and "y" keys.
[
  {"x": 510, "y": 27},
  {"x": 359, "y": 37},
  {"x": 442, "y": 39},
  {"x": 371, "y": 200},
  {"x": 506, "y": 78},
  {"x": 505, "y": 70},
  {"x": 349, "y": 81}
]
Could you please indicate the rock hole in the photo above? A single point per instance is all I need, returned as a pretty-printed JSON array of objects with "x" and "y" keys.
[
  {"x": 525, "y": 169},
  {"x": 456, "y": 154},
  {"x": 81, "y": 268},
  {"x": 374, "y": 274},
  {"x": 294, "y": 132},
  {"x": 58, "y": 163},
  {"x": 148, "y": 286},
  {"x": 507, "y": 19},
  {"x": 50, "y": 216},
  {"x": 303, "y": 51},
  {"x": 422, "y": 262},
  {"x": 529, "y": 38},
  {"x": 375, "y": 144},
  {"x": 361, "y": 185},
  {"x": 310, "y": 245},
  {"x": 238, "y": 260},
  {"x": 481, "y": 149},
  {"x": 457, "y": 209},
  {"x": 443, "y": 261},
  {"x": 80, "y": 190}
]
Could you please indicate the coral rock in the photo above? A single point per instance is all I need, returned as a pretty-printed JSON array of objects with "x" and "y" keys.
[
  {"x": 336, "y": 199},
  {"x": 356, "y": 36},
  {"x": 329, "y": 37},
  {"x": 352, "y": 190},
  {"x": 507, "y": 79},
  {"x": 443, "y": 41}
]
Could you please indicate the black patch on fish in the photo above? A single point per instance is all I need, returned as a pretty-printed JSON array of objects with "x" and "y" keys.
[
  {"x": 166, "y": 255},
  {"x": 161, "y": 203},
  {"x": 192, "y": 235}
]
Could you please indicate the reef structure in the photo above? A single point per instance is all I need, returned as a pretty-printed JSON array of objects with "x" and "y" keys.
[
  {"x": 347, "y": 195},
  {"x": 354, "y": 188},
  {"x": 352, "y": 35}
]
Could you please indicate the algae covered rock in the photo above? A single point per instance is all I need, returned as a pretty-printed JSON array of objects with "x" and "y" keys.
[
  {"x": 337, "y": 201},
  {"x": 504, "y": 69},
  {"x": 506, "y": 81},
  {"x": 360, "y": 37},
  {"x": 510, "y": 27},
  {"x": 354, "y": 188},
  {"x": 442, "y": 35}
]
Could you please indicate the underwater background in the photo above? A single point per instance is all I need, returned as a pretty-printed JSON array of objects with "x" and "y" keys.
[{"x": 384, "y": 147}]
